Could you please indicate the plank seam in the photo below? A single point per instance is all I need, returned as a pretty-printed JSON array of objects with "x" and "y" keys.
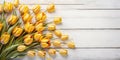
[
  {"x": 89, "y": 28},
  {"x": 89, "y": 48}
]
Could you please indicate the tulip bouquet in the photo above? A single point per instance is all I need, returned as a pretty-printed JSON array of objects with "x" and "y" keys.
[{"x": 21, "y": 35}]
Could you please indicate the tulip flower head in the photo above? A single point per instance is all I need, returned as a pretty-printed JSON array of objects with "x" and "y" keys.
[
  {"x": 41, "y": 17},
  {"x": 51, "y": 8},
  {"x": 5, "y": 38},
  {"x": 29, "y": 27},
  {"x": 36, "y": 9},
  {"x": 23, "y": 9},
  {"x": 28, "y": 39},
  {"x": 41, "y": 54},
  {"x": 17, "y": 31},
  {"x": 12, "y": 19},
  {"x": 26, "y": 17},
  {"x": 57, "y": 20},
  {"x": 52, "y": 52},
  {"x": 21, "y": 48},
  {"x": 16, "y": 3},
  {"x": 31, "y": 53},
  {"x": 63, "y": 52},
  {"x": 8, "y": 7}
]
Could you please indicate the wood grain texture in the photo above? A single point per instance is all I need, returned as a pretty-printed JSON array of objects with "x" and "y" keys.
[
  {"x": 86, "y": 54},
  {"x": 94, "y": 38}
]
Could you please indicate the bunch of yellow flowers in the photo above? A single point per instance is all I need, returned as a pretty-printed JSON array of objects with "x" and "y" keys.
[{"x": 22, "y": 35}]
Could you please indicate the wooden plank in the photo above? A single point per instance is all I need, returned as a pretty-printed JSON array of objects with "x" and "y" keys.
[
  {"x": 86, "y": 18},
  {"x": 94, "y": 38},
  {"x": 86, "y": 54},
  {"x": 97, "y": 2},
  {"x": 80, "y": 7},
  {"x": 89, "y": 4}
]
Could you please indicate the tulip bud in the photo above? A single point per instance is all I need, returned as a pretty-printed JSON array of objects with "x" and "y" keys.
[
  {"x": 57, "y": 20},
  {"x": 21, "y": 48},
  {"x": 71, "y": 44},
  {"x": 41, "y": 17},
  {"x": 49, "y": 35},
  {"x": 57, "y": 43},
  {"x": 12, "y": 19},
  {"x": 17, "y": 31},
  {"x": 51, "y": 8},
  {"x": 1, "y": 8},
  {"x": 1, "y": 26},
  {"x": 8, "y": 7},
  {"x": 26, "y": 17},
  {"x": 39, "y": 27},
  {"x": 5, "y": 37},
  {"x": 41, "y": 54},
  {"x": 29, "y": 27},
  {"x": 64, "y": 37},
  {"x": 45, "y": 40},
  {"x": 31, "y": 53},
  {"x": 51, "y": 27},
  {"x": 58, "y": 33},
  {"x": 36, "y": 9},
  {"x": 23, "y": 9},
  {"x": 52, "y": 52},
  {"x": 44, "y": 45},
  {"x": 16, "y": 3},
  {"x": 37, "y": 36},
  {"x": 28, "y": 39},
  {"x": 63, "y": 52}
]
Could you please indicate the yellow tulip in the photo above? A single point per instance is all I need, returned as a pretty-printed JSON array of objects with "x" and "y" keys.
[
  {"x": 12, "y": 19},
  {"x": 44, "y": 45},
  {"x": 39, "y": 27},
  {"x": 31, "y": 53},
  {"x": 23, "y": 9},
  {"x": 36, "y": 9},
  {"x": 1, "y": 26},
  {"x": 8, "y": 7},
  {"x": 1, "y": 8},
  {"x": 71, "y": 44},
  {"x": 17, "y": 31},
  {"x": 64, "y": 37},
  {"x": 16, "y": 3},
  {"x": 37, "y": 36},
  {"x": 21, "y": 48},
  {"x": 5, "y": 38},
  {"x": 58, "y": 33},
  {"x": 41, "y": 17},
  {"x": 26, "y": 17},
  {"x": 57, "y": 43},
  {"x": 28, "y": 39},
  {"x": 57, "y": 20},
  {"x": 29, "y": 27},
  {"x": 41, "y": 54},
  {"x": 51, "y": 27},
  {"x": 63, "y": 52},
  {"x": 51, "y": 8},
  {"x": 49, "y": 35},
  {"x": 45, "y": 40},
  {"x": 52, "y": 52}
]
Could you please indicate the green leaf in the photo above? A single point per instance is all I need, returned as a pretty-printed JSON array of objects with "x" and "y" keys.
[
  {"x": 11, "y": 28},
  {"x": 8, "y": 49}
]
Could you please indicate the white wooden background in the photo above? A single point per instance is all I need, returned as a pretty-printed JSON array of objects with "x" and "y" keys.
[{"x": 94, "y": 26}]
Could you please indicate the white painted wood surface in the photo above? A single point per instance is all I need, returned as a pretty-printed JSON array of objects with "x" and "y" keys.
[{"x": 94, "y": 25}]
